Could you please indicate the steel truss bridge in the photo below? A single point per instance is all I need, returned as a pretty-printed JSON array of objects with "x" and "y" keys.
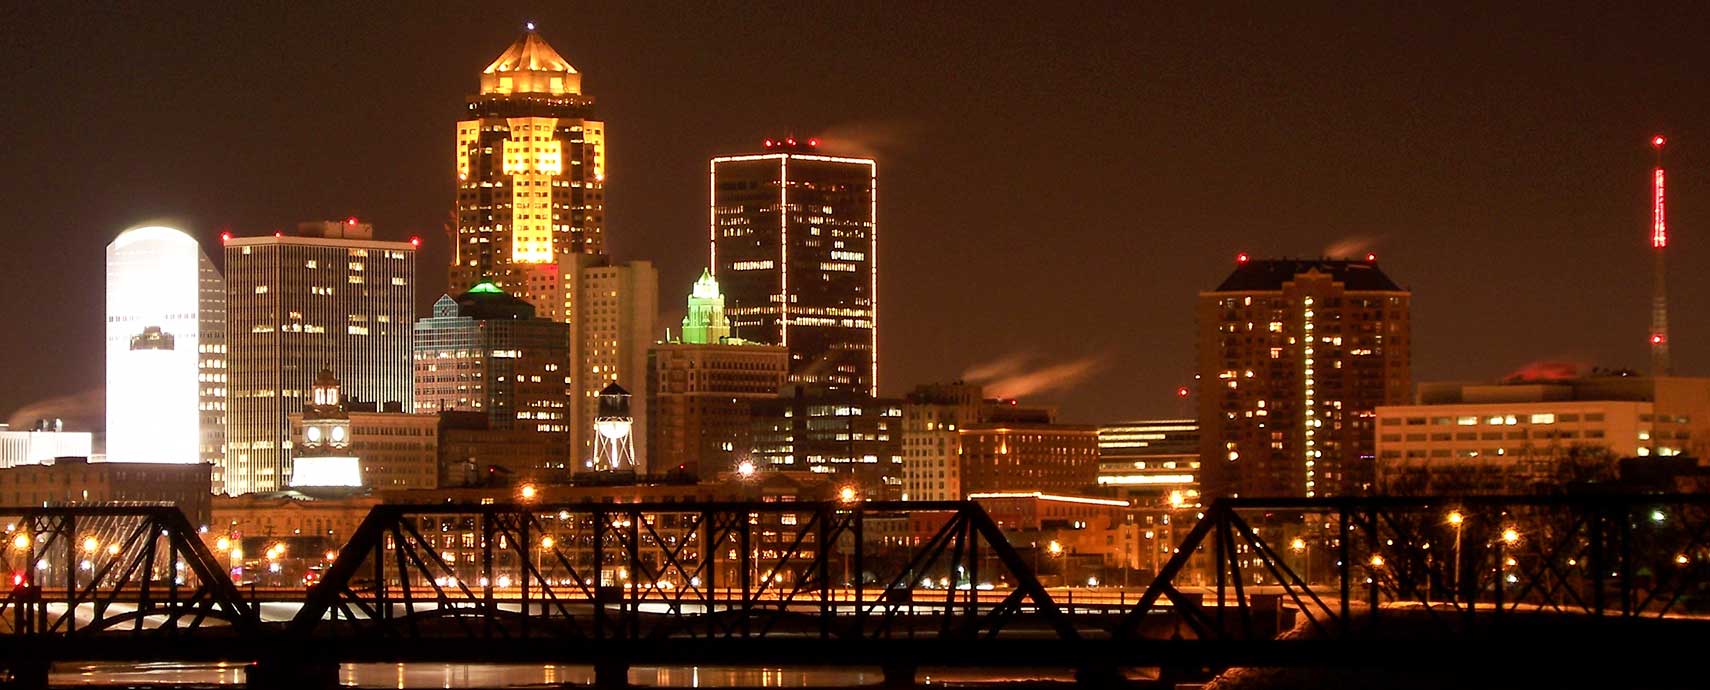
[{"x": 1404, "y": 582}]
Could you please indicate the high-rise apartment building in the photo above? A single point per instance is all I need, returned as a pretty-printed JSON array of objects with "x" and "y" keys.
[
  {"x": 330, "y": 297},
  {"x": 1294, "y": 358},
  {"x": 794, "y": 241},
  {"x": 700, "y": 391},
  {"x": 530, "y": 168},
  {"x": 166, "y": 349},
  {"x": 485, "y": 351},
  {"x": 613, "y": 313}
]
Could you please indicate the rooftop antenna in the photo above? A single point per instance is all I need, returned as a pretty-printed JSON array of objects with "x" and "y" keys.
[{"x": 1659, "y": 243}]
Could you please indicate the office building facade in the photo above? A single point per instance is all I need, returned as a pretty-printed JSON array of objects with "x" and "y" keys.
[
  {"x": 330, "y": 298},
  {"x": 850, "y": 437},
  {"x": 485, "y": 351},
  {"x": 794, "y": 241},
  {"x": 166, "y": 349},
  {"x": 1294, "y": 357},
  {"x": 1153, "y": 462}
]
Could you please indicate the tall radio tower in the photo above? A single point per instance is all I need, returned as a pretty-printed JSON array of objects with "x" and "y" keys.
[{"x": 1659, "y": 242}]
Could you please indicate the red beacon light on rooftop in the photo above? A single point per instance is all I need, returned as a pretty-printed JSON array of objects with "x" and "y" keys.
[
  {"x": 1371, "y": 258},
  {"x": 415, "y": 241},
  {"x": 350, "y": 221},
  {"x": 813, "y": 142},
  {"x": 225, "y": 237},
  {"x": 278, "y": 233},
  {"x": 1656, "y": 338},
  {"x": 1182, "y": 392},
  {"x": 1658, "y": 141},
  {"x": 1242, "y": 258},
  {"x": 770, "y": 143}
]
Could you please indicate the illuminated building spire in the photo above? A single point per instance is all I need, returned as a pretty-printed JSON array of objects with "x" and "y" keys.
[
  {"x": 705, "y": 323},
  {"x": 1659, "y": 243}
]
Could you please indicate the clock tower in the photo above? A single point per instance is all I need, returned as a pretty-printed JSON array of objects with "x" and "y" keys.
[{"x": 323, "y": 456}]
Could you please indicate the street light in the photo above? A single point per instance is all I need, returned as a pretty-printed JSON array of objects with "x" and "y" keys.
[
  {"x": 528, "y": 492},
  {"x": 745, "y": 469},
  {"x": 91, "y": 544},
  {"x": 22, "y": 541},
  {"x": 847, "y": 494},
  {"x": 547, "y": 541},
  {"x": 1510, "y": 536}
]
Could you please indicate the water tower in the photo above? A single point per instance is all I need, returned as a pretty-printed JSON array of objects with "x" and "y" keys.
[{"x": 614, "y": 447}]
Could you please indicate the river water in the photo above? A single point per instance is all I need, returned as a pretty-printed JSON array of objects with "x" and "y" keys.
[{"x": 496, "y": 676}]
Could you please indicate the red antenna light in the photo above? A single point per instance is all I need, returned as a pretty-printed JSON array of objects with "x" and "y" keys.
[
  {"x": 791, "y": 141},
  {"x": 415, "y": 241},
  {"x": 813, "y": 142},
  {"x": 1656, "y": 339},
  {"x": 225, "y": 236},
  {"x": 278, "y": 233},
  {"x": 1241, "y": 258},
  {"x": 769, "y": 143},
  {"x": 1658, "y": 141},
  {"x": 350, "y": 221},
  {"x": 1182, "y": 392},
  {"x": 1371, "y": 258}
]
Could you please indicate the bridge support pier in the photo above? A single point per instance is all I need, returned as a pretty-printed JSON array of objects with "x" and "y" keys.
[
  {"x": 26, "y": 673},
  {"x": 611, "y": 675},
  {"x": 899, "y": 675},
  {"x": 1100, "y": 676},
  {"x": 282, "y": 674}
]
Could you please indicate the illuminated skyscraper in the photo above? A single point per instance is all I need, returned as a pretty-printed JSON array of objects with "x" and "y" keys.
[
  {"x": 331, "y": 298},
  {"x": 166, "y": 312},
  {"x": 1294, "y": 358},
  {"x": 530, "y": 169},
  {"x": 794, "y": 236}
]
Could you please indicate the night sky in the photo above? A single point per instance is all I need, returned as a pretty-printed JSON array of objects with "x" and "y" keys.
[{"x": 1056, "y": 183}]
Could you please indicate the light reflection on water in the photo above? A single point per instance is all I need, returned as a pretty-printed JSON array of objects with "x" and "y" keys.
[
  {"x": 496, "y": 676},
  {"x": 465, "y": 676}
]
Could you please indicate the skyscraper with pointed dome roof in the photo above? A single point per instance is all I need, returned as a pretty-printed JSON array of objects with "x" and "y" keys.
[
  {"x": 529, "y": 163},
  {"x": 705, "y": 322}
]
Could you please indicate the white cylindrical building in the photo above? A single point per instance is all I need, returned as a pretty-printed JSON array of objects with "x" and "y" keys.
[{"x": 157, "y": 312}]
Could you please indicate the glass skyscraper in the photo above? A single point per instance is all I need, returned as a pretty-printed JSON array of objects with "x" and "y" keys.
[{"x": 794, "y": 237}]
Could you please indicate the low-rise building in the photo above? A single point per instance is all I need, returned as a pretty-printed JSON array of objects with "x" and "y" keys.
[
  {"x": 1518, "y": 435},
  {"x": 76, "y": 481},
  {"x": 42, "y": 443},
  {"x": 851, "y": 437},
  {"x": 396, "y": 450},
  {"x": 1054, "y": 458}
]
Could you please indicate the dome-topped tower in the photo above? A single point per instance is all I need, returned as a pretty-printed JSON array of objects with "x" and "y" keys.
[{"x": 530, "y": 65}]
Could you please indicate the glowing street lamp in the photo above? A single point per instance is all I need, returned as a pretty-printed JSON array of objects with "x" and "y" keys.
[
  {"x": 1055, "y": 548},
  {"x": 1455, "y": 518},
  {"x": 745, "y": 469},
  {"x": 22, "y": 541},
  {"x": 528, "y": 492},
  {"x": 1510, "y": 536},
  {"x": 222, "y": 544},
  {"x": 91, "y": 544},
  {"x": 847, "y": 494},
  {"x": 1298, "y": 545}
]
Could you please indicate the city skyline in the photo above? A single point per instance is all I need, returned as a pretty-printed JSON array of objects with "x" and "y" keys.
[{"x": 1504, "y": 227}]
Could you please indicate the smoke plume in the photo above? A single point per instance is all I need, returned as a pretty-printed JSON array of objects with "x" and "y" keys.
[
  {"x": 1352, "y": 247},
  {"x": 85, "y": 411},
  {"x": 1018, "y": 375}
]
